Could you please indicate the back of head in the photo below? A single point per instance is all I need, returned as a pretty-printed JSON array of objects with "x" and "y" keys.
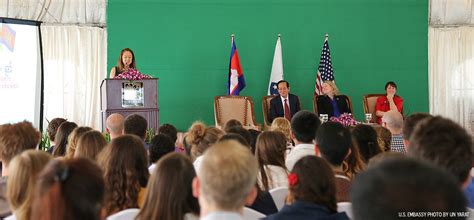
[
  {"x": 384, "y": 137},
  {"x": 62, "y": 137},
  {"x": 271, "y": 149},
  {"x": 169, "y": 193},
  {"x": 16, "y": 138},
  {"x": 24, "y": 170},
  {"x": 53, "y": 127},
  {"x": 115, "y": 123},
  {"x": 69, "y": 189},
  {"x": 170, "y": 130},
  {"x": 235, "y": 137},
  {"x": 410, "y": 123},
  {"x": 135, "y": 124},
  {"x": 404, "y": 185},
  {"x": 304, "y": 126},
  {"x": 73, "y": 138},
  {"x": 160, "y": 145},
  {"x": 231, "y": 123},
  {"x": 242, "y": 132},
  {"x": 125, "y": 167},
  {"x": 201, "y": 137},
  {"x": 90, "y": 144},
  {"x": 444, "y": 143},
  {"x": 366, "y": 138},
  {"x": 303, "y": 185},
  {"x": 227, "y": 175},
  {"x": 394, "y": 120},
  {"x": 283, "y": 125},
  {"x": 334, "y": 141}
]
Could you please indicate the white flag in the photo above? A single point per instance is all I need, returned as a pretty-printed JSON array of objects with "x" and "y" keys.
[{"x": 277, "y": 70}]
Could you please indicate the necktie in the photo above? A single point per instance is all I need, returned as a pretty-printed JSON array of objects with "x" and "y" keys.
[{"x": 287, "y": 110}]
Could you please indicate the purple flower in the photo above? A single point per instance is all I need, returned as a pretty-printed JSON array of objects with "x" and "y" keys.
[
  {"x": 132, "y": 74},
  {"x": 345, "y": 119}
]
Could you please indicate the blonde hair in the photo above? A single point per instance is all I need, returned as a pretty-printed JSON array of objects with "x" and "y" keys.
[
  {"x": 282, "y": 125},
  {"x": 201, "y": 137},
  {"x": 333, "y": 86},
  {"x": 73, "y": 139},
  {"x": 90, "y": 144},
  {"x": 227, "y": 174},
  {"x": 24, "y": 170}
]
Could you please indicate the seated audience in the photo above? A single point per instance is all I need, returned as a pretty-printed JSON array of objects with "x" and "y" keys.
[
  {"x": 310, "y": 197},
  {"x": 160, "y": 145},
  {"x": 304, "y": 126},
  {"x": 226, "y": 181},
  {"x": 69, "y": 189},
  {"x": 169, "y": 195},
  {"x": 253, "y": 139},
  {"x": 124, "y": 162},
  {"x": 389, "y": 102},
  {"x": 399, "y": 187},
  {"x": 393, "y": 121},
  {"x": 384, "y": 137},
  {"x": 90, "y": 145},
  {"x": 270, "y": 153},
  {"x": 114, "y": 125},
  {"x": 72, "y": 140},
  {"x": 14, "y": 139},
  {"x": 244, "y": 133},
  {"x": 410, "y": 123},
  {"x": 284, "y": 126},
  {"x": 170, "y": 130},
  {"x": 284, "y": 104},
  {"x": 200, "y": 138},
  {"x": 334, "y": 142},
  {"x": 231, "y": 123},
  {"x": 137, "y": 125},
  {"x": 235, "y": 137},
  {"x": 24, "y": 171},
  {"x": 366, "y": 138},
  {"x": 51, "y": 131},
  {"x": 384, "y": 156},
  {"x": 332, "y": 102},
  {"x": 62, "y": 137}
]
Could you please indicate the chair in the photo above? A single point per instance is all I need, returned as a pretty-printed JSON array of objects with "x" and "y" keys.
[
  {"x": 127, "y": 214},
  {"x": 250, "y": 214},
  {"x": 315, "y": 104},
  {"x": 345, "y": 207},
  {"x": 370, "y": 101},
  {"x": 239, "y": 108},
  {"x": 266, "y": 111},
  {"x": 279, "y": 195}
]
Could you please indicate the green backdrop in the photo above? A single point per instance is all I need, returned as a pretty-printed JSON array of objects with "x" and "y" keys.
[{"x": 186, "y": 43}]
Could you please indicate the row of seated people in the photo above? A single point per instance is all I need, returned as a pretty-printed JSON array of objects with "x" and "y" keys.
[{"x": 221, "y": 171}]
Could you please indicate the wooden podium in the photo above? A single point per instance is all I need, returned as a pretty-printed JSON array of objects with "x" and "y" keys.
[{"x": 130, "y": 97}]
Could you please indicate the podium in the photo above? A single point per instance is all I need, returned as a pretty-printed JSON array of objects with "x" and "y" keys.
[{"x": 130, "y": 97}]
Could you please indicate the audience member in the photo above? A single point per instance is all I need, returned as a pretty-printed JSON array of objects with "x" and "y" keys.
[
  {"x": 283, "y": 125},
  {"x": 62, "y": 137},
  {"x": 310, "y": 197},
  {"x": 253, "y": 139},
  {"x": 124, "y": 163},
  {"x": 226, "y": 181},
  {"x": 160, "y": 145},
  {"x": 366, "y": 139},
  {"x": 115, "y": 125},
  {"x": 242, "y": 132},
  {"x": 235, "y": 137},
  {"x": 200, "y": 138},
  {"x": 384, "y": 137},
  {"x": 137, "y": 125},
  {"x": 14, "y": 139},
  {"x": 384, "y": 156},
  {"x": 304, "y": 126},
  {"x": 169, "y": 195},
  {"x": 393, "y": 121},
  {"x": 353, "y": 164},
  {"x": 52, "y": 129},
  {"x": 172, "y": 132},
  {"x": 90, "y": 145},
  {"x": 270, "y": 153},
  {"x": 72, "y": 140},
  {"x": 24, "y": 171},
  {"x": 410, "y": 123},
  {"x": 69, "y": 189},
  {"x": 334, "y": 142},
  {"x": 405, "y": 188},
  {"x": 231, "y": 123},
  {"x": 285, "y": 104}
]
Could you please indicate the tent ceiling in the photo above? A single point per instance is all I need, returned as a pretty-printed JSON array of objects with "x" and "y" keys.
[{"x": 451, "y": 12}]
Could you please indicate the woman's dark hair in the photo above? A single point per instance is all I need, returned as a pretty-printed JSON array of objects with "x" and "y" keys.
[
  {"x": 53, "y": 127},
  {"x": 169, "y": 195},
  {"x": 64, "y": 130},
  {"x": 231, "y": 123},
  {"x": 320, "y": 190},
  {"x": 390, "y": 83},
  {"x": 160, "y": 145},
  {"x": 69, "y": 189},
  {"x": 125, "y": 166},
  {"x": 120, "y": 62},
  {"x": 366, "y": 139},
  {"x": 271, "y": 148}
]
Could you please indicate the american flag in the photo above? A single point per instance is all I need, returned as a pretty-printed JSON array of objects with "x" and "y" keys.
[{"x": 325, "y": 71}]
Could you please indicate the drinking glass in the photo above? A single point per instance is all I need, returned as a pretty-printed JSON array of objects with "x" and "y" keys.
[{"x": 368, "y": 117}]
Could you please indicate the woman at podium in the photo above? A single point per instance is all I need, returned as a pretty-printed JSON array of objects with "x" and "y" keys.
[{"x": 125, "y": 62}]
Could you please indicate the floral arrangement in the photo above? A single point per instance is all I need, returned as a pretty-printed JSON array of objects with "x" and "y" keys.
[
  {"x": 292, "y": 179},
  {"x": 345, "y": 119},
  {"x": 132, "y": 74}
]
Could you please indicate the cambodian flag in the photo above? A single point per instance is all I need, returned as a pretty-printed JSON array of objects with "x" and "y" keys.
[{"x": 236, "y": 81}]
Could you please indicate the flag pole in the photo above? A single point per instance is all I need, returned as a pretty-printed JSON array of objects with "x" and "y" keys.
[
  {"x": 327, "y": 36},
  {"x": 279, "y": 35}
]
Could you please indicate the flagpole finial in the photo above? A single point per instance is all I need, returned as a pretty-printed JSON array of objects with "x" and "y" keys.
[
  {"x": 327, "y": 35},
  {"x": 279, "y": 35},
  {"x": 232, "y": 35}
]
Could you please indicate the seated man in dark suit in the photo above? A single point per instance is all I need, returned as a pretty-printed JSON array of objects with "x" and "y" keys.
[{"x": 285, "y": 104}]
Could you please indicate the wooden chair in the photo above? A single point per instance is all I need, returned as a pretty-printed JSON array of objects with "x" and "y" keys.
[
  {"x": 370, "y": 101},
  {"x": 239, "y": 108},
  {"x": 315, "y": 104},
  {"x": 266, "y": 111}
]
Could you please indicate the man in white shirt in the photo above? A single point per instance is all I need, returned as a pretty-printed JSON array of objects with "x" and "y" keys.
[
  {"x": 303, "y": 131},
  {"x": 225, "y": 181}
]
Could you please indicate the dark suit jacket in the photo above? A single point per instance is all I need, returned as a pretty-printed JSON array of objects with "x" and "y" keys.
[
  {"x": 305, "y": 210},
  {"x": 325, "y": 105},
  {"x": 276, "y": 106}
]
